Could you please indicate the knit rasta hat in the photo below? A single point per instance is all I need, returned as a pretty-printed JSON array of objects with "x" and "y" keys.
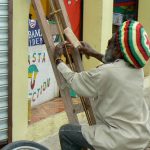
[{"x": 134, "y": 43}]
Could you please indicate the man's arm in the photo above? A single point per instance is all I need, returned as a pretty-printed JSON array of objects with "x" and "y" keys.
[
  {"x": 97, "y": 55},
  {"x": 89, "y": 51},
  {"x": 83, "y": 83}
]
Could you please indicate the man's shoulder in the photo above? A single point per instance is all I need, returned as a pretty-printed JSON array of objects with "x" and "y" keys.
[
  {"x": 119, "y": 63},
  {"x": 109, "y": 65}
]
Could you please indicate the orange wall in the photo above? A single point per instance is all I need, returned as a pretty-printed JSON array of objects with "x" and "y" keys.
[{"x": 46, "y": 8}]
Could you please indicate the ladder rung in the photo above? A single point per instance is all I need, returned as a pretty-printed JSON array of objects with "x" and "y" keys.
[
  {"x": 58, "y": 6},
  {"x": 55, "y": 12}
]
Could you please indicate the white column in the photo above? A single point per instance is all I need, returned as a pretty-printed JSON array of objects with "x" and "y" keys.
[
  {"x": 144, "y": 17},
  {"x": 97, "y": 26},
  {"x": 20, "y": 72}
]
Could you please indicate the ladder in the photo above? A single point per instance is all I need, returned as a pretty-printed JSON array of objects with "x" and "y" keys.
[{"x": 62, "y": 20}]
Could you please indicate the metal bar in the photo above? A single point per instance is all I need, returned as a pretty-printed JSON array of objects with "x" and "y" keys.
[
  {"x": 4, "y": 40},
  {"x": 10, "y": 64},
  {"x": 3, "y": 119},
  {"x": 3, "y": 97},
  {"x": 3, "y": 108}
]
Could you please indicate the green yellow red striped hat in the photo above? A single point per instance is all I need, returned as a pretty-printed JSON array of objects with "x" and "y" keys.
[{"x": 134, "y": 43}]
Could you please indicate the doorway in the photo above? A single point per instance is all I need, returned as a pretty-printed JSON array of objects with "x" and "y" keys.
[{"x": 124, "y": 10}]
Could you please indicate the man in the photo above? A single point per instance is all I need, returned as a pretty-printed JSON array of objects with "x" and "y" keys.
[{"x": 122, "y": 116}]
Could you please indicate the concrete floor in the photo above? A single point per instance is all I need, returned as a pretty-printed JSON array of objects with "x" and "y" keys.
[{"x": 51, "y": 142}]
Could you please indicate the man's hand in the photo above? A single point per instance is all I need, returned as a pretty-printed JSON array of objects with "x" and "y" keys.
[
  {"x": 59, "y": 50},
  {"x": 86, "y": 49},
  {"x": 89, "y": 51}
]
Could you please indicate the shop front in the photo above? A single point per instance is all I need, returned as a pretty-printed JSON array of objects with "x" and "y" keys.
[
  {"x": 26, "y": 78},
  {"x": 5, "y": 71}
]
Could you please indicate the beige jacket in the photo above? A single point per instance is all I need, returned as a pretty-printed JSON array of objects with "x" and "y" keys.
[{"x": 122, "y": 116}]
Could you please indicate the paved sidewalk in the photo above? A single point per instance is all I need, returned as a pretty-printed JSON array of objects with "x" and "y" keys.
[{"x": 51, "y": 142}]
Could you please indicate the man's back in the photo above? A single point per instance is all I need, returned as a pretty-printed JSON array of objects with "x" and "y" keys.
[
  {"x": 121, "y": 91},
  {"x": 120, "y": 109}
]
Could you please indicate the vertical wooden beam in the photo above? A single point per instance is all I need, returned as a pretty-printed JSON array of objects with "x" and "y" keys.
[
  {"x": 77, "y": 59},
  {"x": 63, "y": 15},
  {"x": 85, "y": 101},
  {"x": 64, "y": 90},
  {"x": 64, "y": 19},
  {"x": 10, "y": 67}
]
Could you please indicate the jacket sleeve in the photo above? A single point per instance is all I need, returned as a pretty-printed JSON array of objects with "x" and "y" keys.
[{"x": 83, "y": 83}]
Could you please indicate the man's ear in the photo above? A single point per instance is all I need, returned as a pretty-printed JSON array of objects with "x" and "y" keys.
[{"x": 117, "y": 53}]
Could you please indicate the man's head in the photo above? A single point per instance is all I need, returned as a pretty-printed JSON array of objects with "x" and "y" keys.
[
  {"x": 112, "y": 51},
  {"x": 134, "y": 43},
  {"x": 130, "y": 42}
]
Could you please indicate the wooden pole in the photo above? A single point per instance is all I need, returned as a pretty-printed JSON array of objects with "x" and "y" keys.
[{"x": 64, "y": 90}]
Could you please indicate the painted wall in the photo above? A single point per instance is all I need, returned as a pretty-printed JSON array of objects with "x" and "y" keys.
[
  {"x": 21, "y": 129},
  {"x": 97, "y": 26},
  {"x": 45, "y": 4},
  {"x": 143, "y": 17},
  {"x": 20, "y": 74}
]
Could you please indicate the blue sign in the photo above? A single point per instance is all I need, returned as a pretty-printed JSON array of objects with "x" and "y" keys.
[{"x": 34, "y": 33}]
